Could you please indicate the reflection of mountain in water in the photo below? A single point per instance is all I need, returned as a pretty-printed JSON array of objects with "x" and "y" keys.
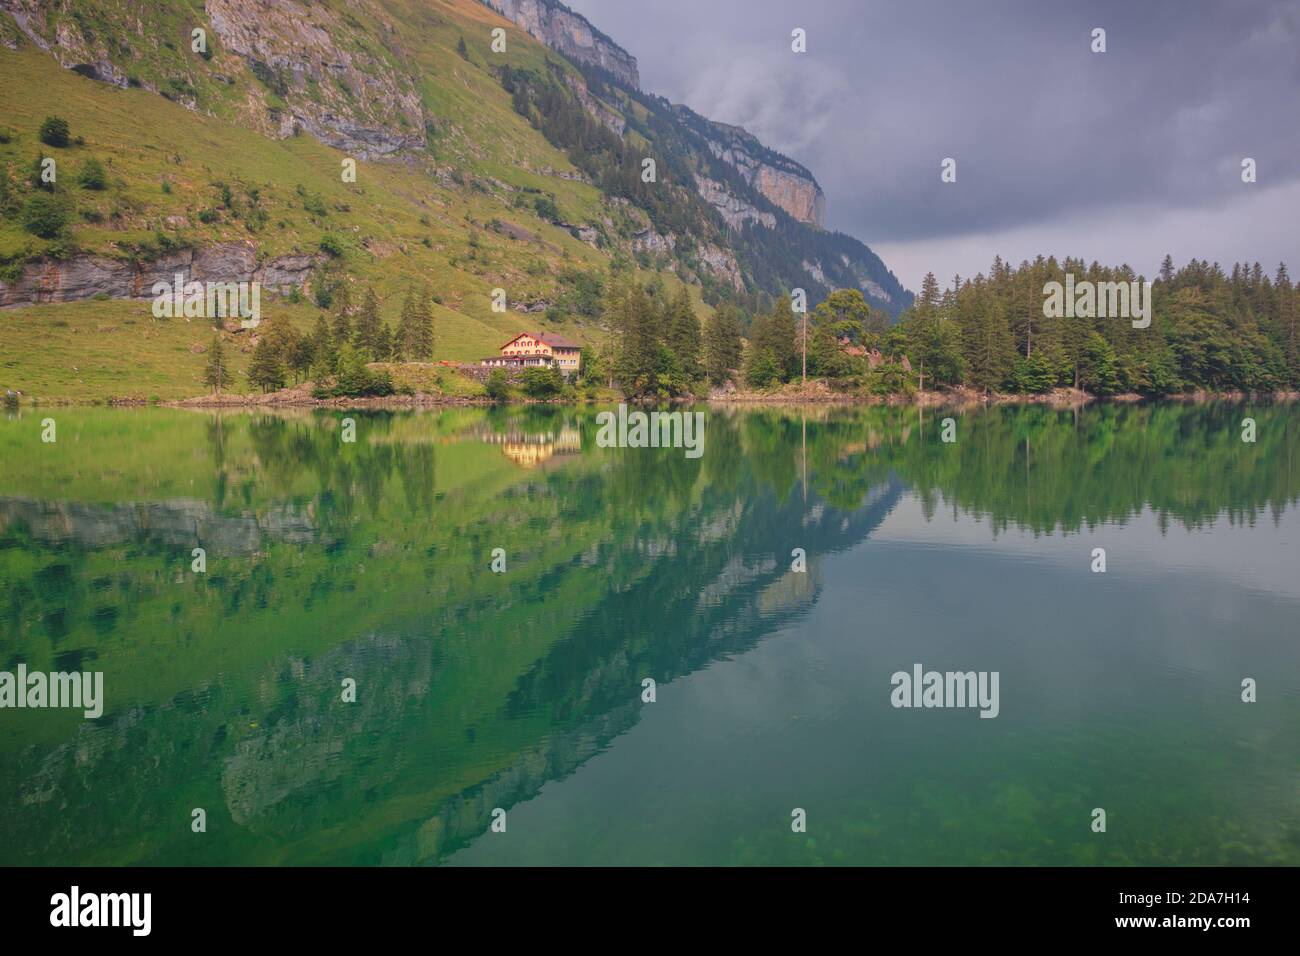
[
  {"x": 368, "y": 562},
  {"x": 710, "y": 581},
  {"x": 734, "y": 587},
  {"x": 182, "y": 523}
]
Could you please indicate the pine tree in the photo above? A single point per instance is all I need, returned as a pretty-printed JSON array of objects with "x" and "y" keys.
[
  {"x": 365, "y": 333},
  {"x": 684, "y": 334},
  {"x": 781, "y": 337},
  {"x": 722, "y": 344},
  {"x": 405, "y": 342},
  {"x": 322, "y": 343},
  {"x": 342, "y": 325},
  {"x": 266, "y": 371},
  {"x": 426, "y": 335},
  {"x": 384, "y": 343},
  {"x": 216, "y": 374},
  {"x": 636, "y": 368}
]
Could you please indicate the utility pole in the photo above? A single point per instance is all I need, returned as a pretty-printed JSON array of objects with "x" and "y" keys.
[{"x": 805, "y": 350}]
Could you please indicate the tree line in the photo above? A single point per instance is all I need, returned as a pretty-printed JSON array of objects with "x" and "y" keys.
[
  {"x": 1209, "y": 330},
  {"x": 335, "y": 354},
  {"x": 660, "y": 348}
]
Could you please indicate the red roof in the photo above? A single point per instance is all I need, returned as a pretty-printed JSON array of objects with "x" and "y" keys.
[{"x": 549, "y": 338}]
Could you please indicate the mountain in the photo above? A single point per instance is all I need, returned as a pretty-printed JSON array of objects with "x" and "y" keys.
[
  {"x": 220, "y": 130},
  {"x": 744, "y": 181},
  {"x": 571, "y": 35}
]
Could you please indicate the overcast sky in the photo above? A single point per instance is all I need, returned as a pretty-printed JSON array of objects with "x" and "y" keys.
[{"x": 1119, "y": 156}]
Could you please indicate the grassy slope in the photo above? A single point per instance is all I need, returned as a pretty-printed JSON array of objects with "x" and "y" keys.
[{"x": 95, "y": 350}]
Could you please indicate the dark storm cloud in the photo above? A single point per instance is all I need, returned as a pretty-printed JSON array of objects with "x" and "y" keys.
[{"x": 1044, "y": 131}]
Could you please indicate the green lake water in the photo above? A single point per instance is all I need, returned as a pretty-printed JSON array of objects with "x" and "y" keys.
[{"x": 371, "y": 561}]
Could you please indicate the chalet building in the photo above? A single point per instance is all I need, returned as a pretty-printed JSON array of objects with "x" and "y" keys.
[
  {"x": 873, "y": 356},
  {"x": 538, "y": 350}
]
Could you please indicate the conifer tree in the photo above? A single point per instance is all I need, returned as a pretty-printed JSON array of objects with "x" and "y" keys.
[
  {"x": 342, "y": 324},
  {"x": 722, "y": 344},
  {"x": 266, "y": 371},
  {"x": 405, "y": 344},
  {"x": 322, "y": 343},
  {"x": 365, "y": 333},
  {"x": 383, "y": 350},
  {"x": 216, "y": 374},
  {"x": 684, "y": 336}
]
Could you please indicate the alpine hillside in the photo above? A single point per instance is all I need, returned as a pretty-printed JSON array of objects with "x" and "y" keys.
[{"x": 212, "y": 140}]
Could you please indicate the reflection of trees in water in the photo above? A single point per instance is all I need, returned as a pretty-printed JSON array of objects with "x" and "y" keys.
[
  {"x": 678, "y": 562},
  {"x": 349, "y": 475},
  {"x": 712, "y": 596},
  {"x": 672, "y": 584},
  {"x": 1042, "y": 468}
]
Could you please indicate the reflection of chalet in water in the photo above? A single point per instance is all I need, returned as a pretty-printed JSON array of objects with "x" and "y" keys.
[
  {"x": 538, "y": 350},
  {"x": 531, "y": 449}
]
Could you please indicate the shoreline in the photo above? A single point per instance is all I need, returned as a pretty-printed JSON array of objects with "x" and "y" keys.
[{"x": 959, "y": 397}]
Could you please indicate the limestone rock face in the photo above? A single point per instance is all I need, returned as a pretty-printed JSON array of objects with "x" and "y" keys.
[
  {"x": 610, "y": 119},
  {"x": 734, "y": 210},
  {"x": 333, "y": 90},
  {"x": 570, "y": 34},
  {"x": 723, "y": 264},
  {"x": 781, "y": 181},
  {"x": 88, "y": 55},
  {"x": 801, "y": 197},
  {"x": 650, "y": 241},
  {"x": 307, "y": 54},
  {"x": 84, "y": 277}
]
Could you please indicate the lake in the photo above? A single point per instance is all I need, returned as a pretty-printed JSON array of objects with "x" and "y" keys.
[{"x": 390, "y": 643}]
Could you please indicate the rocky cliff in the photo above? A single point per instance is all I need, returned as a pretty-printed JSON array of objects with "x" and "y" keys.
[
  {"x": 781, "y": 180},
  {"x": 274, "y": 67},
  {"x": 334, "y": 84},
  {"x": 84, "y": 277},
  {"x": 570, "y": 34}
]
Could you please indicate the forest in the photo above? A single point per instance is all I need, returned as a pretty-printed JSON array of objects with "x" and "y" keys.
[{"x": 1209, "y": 331}]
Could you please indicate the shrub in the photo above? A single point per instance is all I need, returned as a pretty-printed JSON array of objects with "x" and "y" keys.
[
  {"x": 331, "y": 245},
  {"x": 45, "y": 216},
  {"x": 498, "y": 385},
  {"x": 54, "y": 132},
  {"x": 542, "y": 382},
  {"x": 546, "y": 209},
  {"x": 355, "y": 380},
  {"x": 91, "y": 175}
]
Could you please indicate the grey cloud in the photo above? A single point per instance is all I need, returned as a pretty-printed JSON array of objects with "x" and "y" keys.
[{"x": 1044, "y": 130}]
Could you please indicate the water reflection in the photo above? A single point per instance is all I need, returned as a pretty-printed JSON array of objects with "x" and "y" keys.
[{"x": 370, "y": 561}]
